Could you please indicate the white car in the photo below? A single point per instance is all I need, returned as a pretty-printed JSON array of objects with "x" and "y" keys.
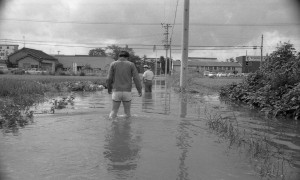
[
  {"x": 34, "y": 71},
  {"x": 212, "y": 74},
  {"x": 221, "y": 75}
]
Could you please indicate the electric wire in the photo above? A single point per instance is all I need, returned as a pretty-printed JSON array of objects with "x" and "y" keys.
[{"x": 153, "y": 23}]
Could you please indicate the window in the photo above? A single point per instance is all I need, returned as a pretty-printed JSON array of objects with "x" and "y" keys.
[
  {"x": 228, "y": 68},
  {"x": 7, "y": 47}
]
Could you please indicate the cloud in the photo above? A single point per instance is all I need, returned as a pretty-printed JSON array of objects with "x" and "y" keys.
[{"x": 204, "y": 19}]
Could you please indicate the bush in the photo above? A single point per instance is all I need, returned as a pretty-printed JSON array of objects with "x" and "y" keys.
[
  {"x": 82, "y": 73},
  {"x": 275, "y": 88}
]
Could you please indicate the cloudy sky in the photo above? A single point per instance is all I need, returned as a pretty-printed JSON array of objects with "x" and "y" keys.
[{"x": 218, "y": 28}]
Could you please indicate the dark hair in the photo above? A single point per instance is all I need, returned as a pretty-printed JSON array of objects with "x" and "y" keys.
[{"x": 123, "y": 54}]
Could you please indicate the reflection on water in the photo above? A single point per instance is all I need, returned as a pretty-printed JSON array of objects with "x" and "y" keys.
[
  {"x": 121, "y": 149},
  {"x": 147, "y": 102},
  {"x": 167, "y": 138},
  {"x": 183, "y": 141}
]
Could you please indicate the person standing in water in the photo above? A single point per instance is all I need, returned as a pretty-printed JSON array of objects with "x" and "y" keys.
[
  {"x": 119, "y": 83},
  {"x": 148, "y": 77}
]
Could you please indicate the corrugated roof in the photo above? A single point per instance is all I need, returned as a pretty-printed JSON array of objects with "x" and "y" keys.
[
  {"x": 36, "y": 53},
  {"x": 93, "y": 61},
  {"x": 208, "y": 63}
]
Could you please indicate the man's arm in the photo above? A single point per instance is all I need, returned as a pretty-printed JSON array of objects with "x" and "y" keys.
[
  {"x": 110, "y": 78},
  {"x": 136, "y": 79}
]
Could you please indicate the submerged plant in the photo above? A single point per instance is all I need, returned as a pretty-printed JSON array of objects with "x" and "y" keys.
[
  {"x": 268, "y": 158},
  {"x": 61, "y": 103}
]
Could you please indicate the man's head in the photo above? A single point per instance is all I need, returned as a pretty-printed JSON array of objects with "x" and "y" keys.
[
  {"x": 146, "y": 67},
  {"x": 124, "y": 54}
]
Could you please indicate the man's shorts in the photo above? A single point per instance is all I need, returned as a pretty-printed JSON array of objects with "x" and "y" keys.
[{"x": 121, "y": 96}]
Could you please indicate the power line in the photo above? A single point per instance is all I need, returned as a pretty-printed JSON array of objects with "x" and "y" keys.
[
  {"x": 153, "y": 24},
  {"x": 174, "y": 21},
  {"x": 134, "y": 46}
]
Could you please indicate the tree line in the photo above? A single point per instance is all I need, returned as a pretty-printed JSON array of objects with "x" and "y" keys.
[{"x": 114, "y": 50}]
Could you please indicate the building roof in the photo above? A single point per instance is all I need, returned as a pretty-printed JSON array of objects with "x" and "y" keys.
[
  {"x": 82, "y": 60},
  {"x": 35, "y": 53},
  {"x": 208, "y": 63},
  {"x": 202, "y": 58}
]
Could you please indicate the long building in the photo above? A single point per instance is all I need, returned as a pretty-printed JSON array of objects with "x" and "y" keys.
[{"x": 212, "y": 66}]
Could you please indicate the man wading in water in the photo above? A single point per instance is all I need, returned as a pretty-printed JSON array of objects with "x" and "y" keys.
[
  {"x": 148, "y": 77},
  {"x": 119, "y": 83}
]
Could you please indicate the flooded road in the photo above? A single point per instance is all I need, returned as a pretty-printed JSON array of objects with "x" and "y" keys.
[{"x": 166, "y": 138}]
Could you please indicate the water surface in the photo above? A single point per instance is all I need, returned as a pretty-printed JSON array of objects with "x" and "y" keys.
[{"x": 166, "y": 138}]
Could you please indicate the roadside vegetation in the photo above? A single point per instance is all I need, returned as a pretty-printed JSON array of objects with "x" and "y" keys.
[
  {"x": 19, "y": 93},
  {"x": 275, "y": 88},
  {"x": 197, "y": 83}
]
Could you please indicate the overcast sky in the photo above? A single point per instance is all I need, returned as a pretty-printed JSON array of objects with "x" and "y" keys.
[{"x": 76, "y": 26}]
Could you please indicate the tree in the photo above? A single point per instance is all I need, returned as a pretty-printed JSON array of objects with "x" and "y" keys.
[
  {"x": 59, "y": 66},
  {"x": 114, "y": 51},
  {"x": 97, "y": 52}
]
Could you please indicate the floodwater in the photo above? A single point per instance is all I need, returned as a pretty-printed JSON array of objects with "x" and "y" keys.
[{"x": 166, "y": 138}]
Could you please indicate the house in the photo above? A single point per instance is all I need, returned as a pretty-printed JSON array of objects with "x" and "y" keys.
[
  {"x": 80, "y": 61},
  {"x": 6, "y": 50},
  {"x": 213, "y": 66},
  {"x": 3, "y": 67},
  {"x": 27, "y": 58},
  {"x": 250, "y": 64}
]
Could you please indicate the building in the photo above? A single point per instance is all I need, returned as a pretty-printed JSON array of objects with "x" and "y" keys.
[
  {"x": 27, "y": 58},
  {"x": 212, "y": 66},
  {"x": 203, "y": 59},
  {"x": 250, "y": 64},
  {"x": 6, "y": 50},
  {"x": 80, "y": 61}
]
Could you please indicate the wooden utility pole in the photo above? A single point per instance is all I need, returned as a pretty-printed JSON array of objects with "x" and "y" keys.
[
  {"x": 170, "y": 63},
  {"x": 166, "y": 41},
  {"x": 261, "y": 51},
  {"x": 185, "y": 46}
]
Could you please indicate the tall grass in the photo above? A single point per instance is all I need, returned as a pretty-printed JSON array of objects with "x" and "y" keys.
[
  {"x": 20, "y": 92},
  {"x": 197, "y": 83},
  {"x": 268, "y": 158}
]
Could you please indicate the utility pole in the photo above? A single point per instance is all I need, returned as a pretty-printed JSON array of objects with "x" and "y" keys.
[
  {"x": 170, "y": 64},
  {"x": 166, "y": 43},
  {"x": 185, "y": 46},
  {"x": 261, "y": 51}
]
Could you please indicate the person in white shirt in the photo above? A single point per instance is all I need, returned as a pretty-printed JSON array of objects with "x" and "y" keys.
[{"x": 148, "y": 77}]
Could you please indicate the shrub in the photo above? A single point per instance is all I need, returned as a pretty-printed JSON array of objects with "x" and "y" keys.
[
  {"x": 275, "y": 88},
  {"x": 82, "y": 73}
]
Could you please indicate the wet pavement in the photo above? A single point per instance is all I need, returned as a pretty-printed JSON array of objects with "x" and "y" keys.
[{"x": 166, "y": 138}]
